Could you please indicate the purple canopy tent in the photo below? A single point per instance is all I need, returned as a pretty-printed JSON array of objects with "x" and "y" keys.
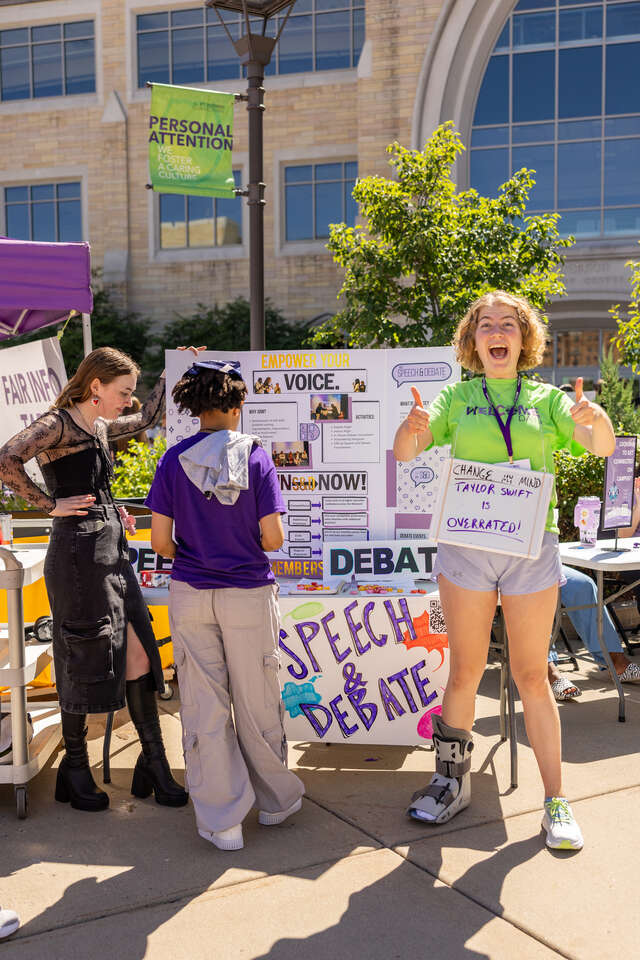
[{"x": 41, "y": 284}]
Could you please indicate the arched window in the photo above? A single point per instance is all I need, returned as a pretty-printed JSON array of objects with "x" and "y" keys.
[{"x": 561, "y": 95}]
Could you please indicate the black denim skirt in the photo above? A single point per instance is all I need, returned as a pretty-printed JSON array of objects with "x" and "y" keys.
[{"x": 93, "y": 594}]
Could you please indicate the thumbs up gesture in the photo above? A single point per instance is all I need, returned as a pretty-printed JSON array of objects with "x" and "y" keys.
[
  {"x": 418, "y": 419},
  {"x": 583, "y": 411}
]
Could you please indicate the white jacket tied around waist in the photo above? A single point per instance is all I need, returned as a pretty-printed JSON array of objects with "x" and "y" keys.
[{"x": 219, "y": 464}]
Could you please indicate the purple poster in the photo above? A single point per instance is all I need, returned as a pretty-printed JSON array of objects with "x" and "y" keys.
[{"x": 619, "y": 475}]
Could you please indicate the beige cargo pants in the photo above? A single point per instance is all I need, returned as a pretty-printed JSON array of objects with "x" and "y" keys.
[{"x": 225, "y": 644}]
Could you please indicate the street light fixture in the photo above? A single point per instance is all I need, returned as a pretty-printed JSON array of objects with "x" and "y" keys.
[{"x": 254, "y": 50}]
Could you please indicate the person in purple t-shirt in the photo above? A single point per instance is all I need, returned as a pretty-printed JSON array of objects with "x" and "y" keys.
[{"x": 216, "y": 507}]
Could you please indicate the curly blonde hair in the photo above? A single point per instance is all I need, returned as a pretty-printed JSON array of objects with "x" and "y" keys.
[{"x": 534, "y": 331}]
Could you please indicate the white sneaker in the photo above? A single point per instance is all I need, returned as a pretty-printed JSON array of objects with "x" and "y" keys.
[
  {"x": 563, "y": 833},
  {"x": 268, "y": 819},
  {"x": 9, "y": 923},
  {"x": 230, "y": 839}
]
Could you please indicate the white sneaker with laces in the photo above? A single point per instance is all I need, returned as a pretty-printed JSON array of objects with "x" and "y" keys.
[
  {"x": 230, "y": 839},
  {"x": 9, "y": 923},
  {"x": 269, "y": 819},
  {"x": 563, "y": 833}
]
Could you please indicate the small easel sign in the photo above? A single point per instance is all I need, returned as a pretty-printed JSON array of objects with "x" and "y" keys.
[{"x": 619, "y": 476}]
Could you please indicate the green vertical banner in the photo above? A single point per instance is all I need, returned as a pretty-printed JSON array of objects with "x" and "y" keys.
[{"x": 191, "y": 141}]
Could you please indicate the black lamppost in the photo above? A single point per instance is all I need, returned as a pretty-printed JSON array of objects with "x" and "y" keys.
[{"x": 254, "y": 50}]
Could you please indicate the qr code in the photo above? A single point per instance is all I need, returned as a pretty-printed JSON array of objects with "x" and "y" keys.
[{"x": 436, "y": 617}]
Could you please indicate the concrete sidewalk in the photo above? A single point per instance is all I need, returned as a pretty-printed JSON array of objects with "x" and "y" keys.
[{"x": 350, "y": 876}]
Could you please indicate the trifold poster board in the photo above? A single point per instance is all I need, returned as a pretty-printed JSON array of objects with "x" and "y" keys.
[
  {"x": 362, "y": 669},
  {"x": 328, "y": 418},
  {"x": 493, "y": 507}
]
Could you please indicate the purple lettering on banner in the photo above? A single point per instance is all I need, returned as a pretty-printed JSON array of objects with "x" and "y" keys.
[
  {"x": 306, "y": 640},
  {"x": 366, "y": 613},
  {"x": 422, "y": 683},
  {"x": 341, "y": 716},
  {"x": 389, "y": 702},
  {"x": 400, "y": 680},
  {"x": 355, "y": 628},
  {"x": 303, "y": 669},
  {"x": 309, "y": 710},
  {"x": 333, "y": 638},
  {"x": 396, "y": 621},
  {"x": 44, "y": 379},
  {"x": 26, "y": 398},
  {"x": 367, "y": 712}
]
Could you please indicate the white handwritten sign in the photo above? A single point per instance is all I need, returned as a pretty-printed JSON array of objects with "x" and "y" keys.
[{"x": 493, "y": 507}]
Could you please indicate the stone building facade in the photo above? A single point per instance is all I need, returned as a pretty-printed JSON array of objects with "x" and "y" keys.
[{"x": 74, "y": 111}]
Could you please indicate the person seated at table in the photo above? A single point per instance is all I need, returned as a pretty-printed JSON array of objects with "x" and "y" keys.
[{"x": 580, "y": 591}]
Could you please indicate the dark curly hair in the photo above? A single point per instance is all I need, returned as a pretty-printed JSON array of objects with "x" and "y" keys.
[{"x": 208, "y": 390}]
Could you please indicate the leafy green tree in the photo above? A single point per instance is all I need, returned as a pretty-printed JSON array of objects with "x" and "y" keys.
[
  {"x": 617, "y": 396},
  {"x": 628, "y": 338},
  {"x": 226, "y": 328},
  {"x": 427, "y": 251}
]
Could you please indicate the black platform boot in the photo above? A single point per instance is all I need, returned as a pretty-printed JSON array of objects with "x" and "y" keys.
[
  {"x": 75, "y": 783},
  {"x": 152, "y": 769}
]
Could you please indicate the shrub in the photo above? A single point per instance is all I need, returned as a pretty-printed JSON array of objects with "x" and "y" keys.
[
  {"x": 575, "y": 477},
  {"x": 11, "y": 502},
  {"x": 135, "y": 468}
]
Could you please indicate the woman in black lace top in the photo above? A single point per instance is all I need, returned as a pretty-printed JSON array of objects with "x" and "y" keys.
[{"x": 103, "y": 644}]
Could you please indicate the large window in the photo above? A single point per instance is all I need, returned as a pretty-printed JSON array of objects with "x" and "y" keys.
[
  {"x": 316, "y": 195},
  {"x": 191, "y": 46},
  {"x": 192, "y": 222},
  {"x": 51, "y": 61},
  {"x": 44, "y": 211},
  {"x": 561, "y": 95}
]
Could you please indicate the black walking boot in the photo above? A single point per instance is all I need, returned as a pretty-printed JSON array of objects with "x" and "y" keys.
[
  {"x": 152, "y": 769},
  {"x": 75, "y": 783}
]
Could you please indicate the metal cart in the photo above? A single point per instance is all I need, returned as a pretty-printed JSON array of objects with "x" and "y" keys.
[{"x": 20, "y": 662}]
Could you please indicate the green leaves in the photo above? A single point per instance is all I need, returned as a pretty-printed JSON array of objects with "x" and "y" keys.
[
  {"x": 616, "y": 396},
  {"x": 134, "y": 469},
  {"x": 575, "y": 477},
  {"x": 427, "y": 251},
  {"x": 628, "y": 339}
]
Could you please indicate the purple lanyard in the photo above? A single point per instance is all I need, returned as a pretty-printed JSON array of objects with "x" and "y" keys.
[{"x": 505, "y": 428}]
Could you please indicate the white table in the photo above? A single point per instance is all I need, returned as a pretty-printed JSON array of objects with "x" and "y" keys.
[
  {"x": 19, "y": 664},
  {"x": 603, "y": 558}
]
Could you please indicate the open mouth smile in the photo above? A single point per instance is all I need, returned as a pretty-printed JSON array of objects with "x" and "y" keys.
[{"x": 498, "y": 353}]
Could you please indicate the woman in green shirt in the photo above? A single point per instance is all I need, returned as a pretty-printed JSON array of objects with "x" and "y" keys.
[{"x": 494, "y": 417}]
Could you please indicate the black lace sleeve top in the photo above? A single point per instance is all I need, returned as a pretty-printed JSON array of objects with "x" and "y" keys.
[{"x": 73, "y": 462}]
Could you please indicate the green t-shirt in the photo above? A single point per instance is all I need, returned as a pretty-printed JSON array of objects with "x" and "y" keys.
[{"x": 542, "y": 423}]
